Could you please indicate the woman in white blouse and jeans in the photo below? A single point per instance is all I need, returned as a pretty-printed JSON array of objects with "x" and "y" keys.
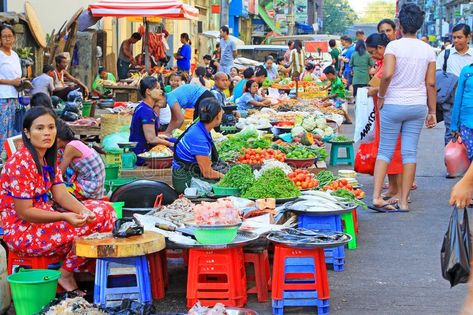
[
  {"x": 10, "y": 78},
  {"x": 406, "y": 98}
]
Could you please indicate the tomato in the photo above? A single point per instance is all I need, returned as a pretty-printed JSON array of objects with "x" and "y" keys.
[
  {"x": 349, "y": 187},
  {"x": 344, "y": 182},
  {"x": 304, "y": 186}
]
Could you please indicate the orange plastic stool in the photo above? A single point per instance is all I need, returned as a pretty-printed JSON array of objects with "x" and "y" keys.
[
  {"x": 299, "y": 270},
  {"x": 261, "y": 275},
  {"x": 33, "y": 262},
  {"x": 216, "y": 276},
  {"x": 158, "y": 274}
]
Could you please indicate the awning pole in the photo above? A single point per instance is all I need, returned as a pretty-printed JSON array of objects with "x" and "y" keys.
[{"x": 145, "y": 42}]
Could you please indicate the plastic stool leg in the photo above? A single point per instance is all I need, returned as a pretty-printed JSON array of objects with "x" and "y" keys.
[
  {"x": 350, "y": 154},
  {"x": 349, "y": 228},
  {"x": 98, "y": 276},
  {"x": 333, "y": 154}
]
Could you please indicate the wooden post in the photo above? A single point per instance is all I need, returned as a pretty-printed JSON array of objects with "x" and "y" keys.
[{"x": 145, "y": 43}]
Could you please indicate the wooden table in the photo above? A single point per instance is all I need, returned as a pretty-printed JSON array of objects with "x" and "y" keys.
[
  {"x": 114, "y": 247},
  {"x": 85, "y": 130},
  {"x": 124, "y": 93},
  {"x": 143, "y": 172}
]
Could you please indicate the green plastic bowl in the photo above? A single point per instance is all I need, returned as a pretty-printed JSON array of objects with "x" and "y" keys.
[
  {"x": 216, "y": 234},
  {"x": 225, "y": 191},
  {"x": 112, "y": 171}
]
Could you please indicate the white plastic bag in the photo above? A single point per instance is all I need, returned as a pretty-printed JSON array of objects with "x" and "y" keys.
[{"x": 365, "y": 117}]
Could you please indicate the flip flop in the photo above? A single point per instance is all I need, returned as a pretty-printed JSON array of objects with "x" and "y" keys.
[
  {"x": 414, "y": 186},
  {"x": 386, "y": 198},
  {"x": 387, "y": 208}
]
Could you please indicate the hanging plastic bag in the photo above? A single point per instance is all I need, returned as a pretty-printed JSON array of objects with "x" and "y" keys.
[
  {"x": 456, "y": 158},
  {"x": 367, "y": 153},
  {"x": 365, "y": 117},
  {"x": 456, "y": 250}
]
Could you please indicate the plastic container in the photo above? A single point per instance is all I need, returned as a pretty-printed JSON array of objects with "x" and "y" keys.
[
  {"x": 118, "y": 207},
  {"x": 225, "y": 191},
  {"x": 159, "y": 163},
  {"x": 301, "y": 163},
  {"x": 216, "y": 234},
  {"x": 86, "y": 108},
  {"x": 114, "y": 184},
  {"x": 32, "y": 289},
  {"x": 5, "y": 297},
  {"x": 113, "y": 158},
  {"x": 111, "y": 171}
]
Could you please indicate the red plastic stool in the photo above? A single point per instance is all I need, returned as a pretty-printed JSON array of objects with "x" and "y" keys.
[
  {"x": 261, "y": 275},
  {"x": 291, "y": 272},
  {"x": 158, "y": 274},
  {"x": 33, "y": 262},
  {"x": 216, "y": 276}
]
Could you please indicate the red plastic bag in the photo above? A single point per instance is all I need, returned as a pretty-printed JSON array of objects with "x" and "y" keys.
[{"x": 456, "y": 158}]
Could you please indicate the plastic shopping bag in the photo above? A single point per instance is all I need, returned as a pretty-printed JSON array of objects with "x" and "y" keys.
[
  {"x": 456, "y": 158},
  {"x": 456, "y": 249},
  {"x": 365, "y": 117},
  {"x": 365, "y": 158}
]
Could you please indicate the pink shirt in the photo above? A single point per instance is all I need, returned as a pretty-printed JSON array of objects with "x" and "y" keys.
[
  {"x": 83, "y": 148},
  {"x": 407, "y": 86}
]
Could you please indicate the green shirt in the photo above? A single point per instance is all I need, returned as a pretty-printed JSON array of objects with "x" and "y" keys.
[
  {"x": 360, "y": 66},
  {"x": 98, "y": 83},
  {"x": 335, "y": 53},
  {"x": 338, "y": 88}
]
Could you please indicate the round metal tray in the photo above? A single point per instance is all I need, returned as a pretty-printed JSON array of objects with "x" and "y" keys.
[
  {"x": 242, "y": 239},
  {"x": 308, "y": 245},
  {"x": 349, "y": 208}
]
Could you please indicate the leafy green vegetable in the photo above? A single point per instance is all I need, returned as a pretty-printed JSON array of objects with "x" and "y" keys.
[
  {"x": 273, "y": 183},
  {"x": 239, "y": 176},
  {"x": 350, "y": 197},
  {"x": 325, "y": 178},
  {"x": 341, "y": 138},
  {"x": 230, "y": 149}
]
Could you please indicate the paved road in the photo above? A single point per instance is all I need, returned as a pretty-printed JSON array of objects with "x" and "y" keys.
[{"x": 395, "y": 269}]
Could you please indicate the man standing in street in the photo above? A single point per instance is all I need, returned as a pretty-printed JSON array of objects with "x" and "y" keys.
[
  {"x": 125, "y": 57},
  {"x": 347, "y": 52},
  {"x": 227, "y": 50},
  {"x": 458, "y": 56}
]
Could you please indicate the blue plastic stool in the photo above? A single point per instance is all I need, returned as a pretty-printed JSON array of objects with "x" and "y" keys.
[
  {"x": 140, "y": 291},
  {"x": 332, "y": 222},
  {"x": 301, "y": 298},
  {"x": 350, "y": 152}
]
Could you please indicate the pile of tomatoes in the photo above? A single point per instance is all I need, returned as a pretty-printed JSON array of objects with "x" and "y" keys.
[
  {"x": 258, "y": 156},
  {"x": 303, "y": 179},
  {"x": 343, "y": 183}
]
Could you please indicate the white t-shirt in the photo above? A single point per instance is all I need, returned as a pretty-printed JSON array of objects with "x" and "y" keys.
[
  {"x": 10, "y": 69},
  {"x": 455, "y": 61},
  {"x": 165, "y": 115},
  {"x": 43, "y": 84},
  {"x": 407, "y": 86}
]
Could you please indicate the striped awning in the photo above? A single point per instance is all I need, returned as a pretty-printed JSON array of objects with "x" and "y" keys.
[{"x": 171, "y": 9}]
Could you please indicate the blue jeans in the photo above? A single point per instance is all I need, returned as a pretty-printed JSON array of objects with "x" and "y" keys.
[
  {"x": 447, "y": 119},
  {"x": 122, "y": 69},
  {"x": 405, "y": 119}
]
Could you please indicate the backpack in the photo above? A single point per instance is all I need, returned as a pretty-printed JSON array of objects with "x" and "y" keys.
[{"x": 446, "y": 85}]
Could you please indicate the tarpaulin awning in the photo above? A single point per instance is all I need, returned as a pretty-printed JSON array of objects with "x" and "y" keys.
[{"x": 171, "y": 9}]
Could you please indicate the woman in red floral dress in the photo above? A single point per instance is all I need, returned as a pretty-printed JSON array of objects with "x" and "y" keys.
[{"x": 30, "y": 183}]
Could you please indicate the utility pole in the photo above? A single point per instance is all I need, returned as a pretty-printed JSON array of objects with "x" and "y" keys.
[
  {"x": 291, "y": 17},
  {"x": 224, "y": 8}
]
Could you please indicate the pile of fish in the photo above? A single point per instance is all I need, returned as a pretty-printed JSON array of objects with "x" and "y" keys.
[
  {"x": 318, "y": 201},
  {"x": 305, "y": 237},
  {"x": 71, "y": 306},
  {"x": 178, "y": 212}
]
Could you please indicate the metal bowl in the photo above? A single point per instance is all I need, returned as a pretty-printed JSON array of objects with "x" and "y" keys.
[{"x": 127, "y": 145}]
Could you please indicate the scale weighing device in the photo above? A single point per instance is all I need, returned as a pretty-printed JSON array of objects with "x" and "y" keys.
[{"x": 128, "y": 156}]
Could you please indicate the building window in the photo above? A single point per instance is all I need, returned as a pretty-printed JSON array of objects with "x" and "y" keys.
[{"x": 200, "y": 27}]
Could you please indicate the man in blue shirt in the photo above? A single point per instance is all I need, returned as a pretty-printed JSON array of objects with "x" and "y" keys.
[
  {"x": 228, "y": 50},
  {"x": 348, "y": 51},
  {"x": 184, "y": 53},
  {"x": 185, "y": 96},
  {"x": 221, "y": 84}
]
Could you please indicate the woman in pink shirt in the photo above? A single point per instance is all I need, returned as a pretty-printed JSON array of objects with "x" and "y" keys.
[{"x": 406, "y": 98}]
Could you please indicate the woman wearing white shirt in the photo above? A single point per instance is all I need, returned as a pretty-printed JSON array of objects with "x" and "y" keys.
[
  {"x": 297, "y": 59},
  {"x": 10, "y": 78},
  {"x": 406, "y": 98},
  {"x": 271, "y": 68}
]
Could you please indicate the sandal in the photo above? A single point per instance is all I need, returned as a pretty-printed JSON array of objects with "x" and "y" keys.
[
  {"x": 387, "y": 208},
  {"x": 414, "y": 186}
]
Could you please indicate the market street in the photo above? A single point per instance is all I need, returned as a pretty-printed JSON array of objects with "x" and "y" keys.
[{"x": 396, "y": 267}]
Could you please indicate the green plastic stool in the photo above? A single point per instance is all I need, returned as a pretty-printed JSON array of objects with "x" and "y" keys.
[
  {"x": 349, "y": 228},
  {"x": 336, "y": 146}
]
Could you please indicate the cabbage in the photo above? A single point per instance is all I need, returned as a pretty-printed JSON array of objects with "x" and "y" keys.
[
  {"x": 321, "y": 123},
  {"x": 328, "y": 132},
  {"x": 319, "y": 131},
  {"x": 298, "y": 132},
  {"x": 309, "y": 123}
]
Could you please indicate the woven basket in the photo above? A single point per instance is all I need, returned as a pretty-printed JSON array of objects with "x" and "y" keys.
[{"x": 111, "y": 123}]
